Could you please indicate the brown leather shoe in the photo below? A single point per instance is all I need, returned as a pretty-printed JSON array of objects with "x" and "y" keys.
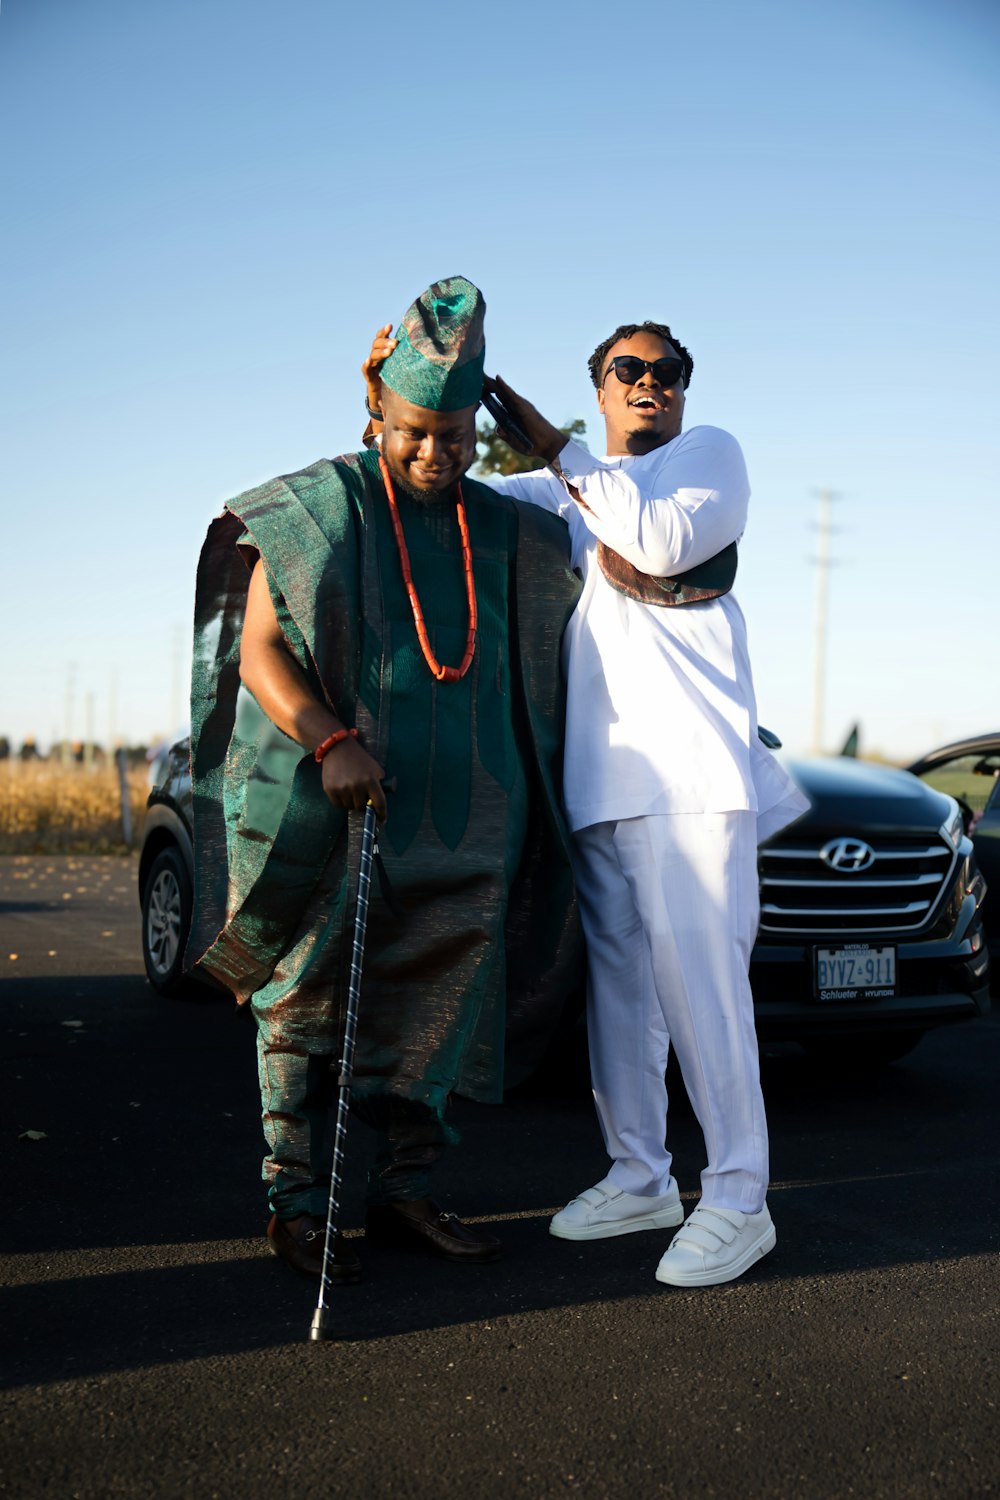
[
  {"x": 300, "y": 1242},
  {"x": 423, "y": 1226}
]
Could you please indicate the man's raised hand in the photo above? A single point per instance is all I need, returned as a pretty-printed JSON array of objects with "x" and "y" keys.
[
  {"x": 382, "y": 346},
  {"x": 546, "y": 440}
]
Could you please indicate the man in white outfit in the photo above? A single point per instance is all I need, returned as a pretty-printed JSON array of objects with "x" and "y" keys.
[{"x": 668, "y": 791}]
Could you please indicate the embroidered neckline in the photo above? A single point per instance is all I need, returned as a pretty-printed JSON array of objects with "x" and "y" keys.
[{"x": 442, "y": 674}]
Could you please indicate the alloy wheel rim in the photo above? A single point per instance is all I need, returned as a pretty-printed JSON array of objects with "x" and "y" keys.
[{"x": 163, "y": 924}]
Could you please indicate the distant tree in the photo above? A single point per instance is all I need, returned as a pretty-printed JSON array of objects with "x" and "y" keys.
[
  {"x": 29, "y": 751},
  {"x": 494, "y": 456},
  {"x": 4, "y": 747}
]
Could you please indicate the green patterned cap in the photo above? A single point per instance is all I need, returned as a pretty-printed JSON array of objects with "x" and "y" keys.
[{"x": 438, "y": 362}]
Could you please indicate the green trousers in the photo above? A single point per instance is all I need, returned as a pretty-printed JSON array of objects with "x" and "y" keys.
[{"x": 409, "y": 1136}]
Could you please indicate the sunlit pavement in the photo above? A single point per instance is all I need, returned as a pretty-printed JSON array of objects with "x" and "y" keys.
[{"x": 151, "y": 1346}]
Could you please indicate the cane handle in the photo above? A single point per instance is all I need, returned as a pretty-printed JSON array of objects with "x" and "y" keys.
[{"x": 388, "y": 785}]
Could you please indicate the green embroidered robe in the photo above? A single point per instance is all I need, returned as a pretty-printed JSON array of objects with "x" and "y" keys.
[{"x": 475, "y": 844}]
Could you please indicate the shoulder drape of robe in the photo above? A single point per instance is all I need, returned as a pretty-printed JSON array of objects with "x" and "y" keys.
[{"x": 264, "y": 829}]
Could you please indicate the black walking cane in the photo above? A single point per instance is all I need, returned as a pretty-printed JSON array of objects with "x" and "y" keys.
[{"x": 319, "y": 1329}]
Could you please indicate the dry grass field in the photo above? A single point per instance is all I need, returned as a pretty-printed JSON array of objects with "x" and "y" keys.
[{"x": 50, "y": 808}]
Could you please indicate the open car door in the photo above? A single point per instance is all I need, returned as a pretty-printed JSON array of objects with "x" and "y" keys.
[{"x": 969, "y": 771}]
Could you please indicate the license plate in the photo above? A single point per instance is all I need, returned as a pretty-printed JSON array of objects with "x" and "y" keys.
[{"x": 857, "y": 971}]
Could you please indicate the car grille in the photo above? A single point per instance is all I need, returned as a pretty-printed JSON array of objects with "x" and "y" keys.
[{"x": 899, "y": 892}]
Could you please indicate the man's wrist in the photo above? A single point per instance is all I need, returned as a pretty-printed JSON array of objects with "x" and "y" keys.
[
  {"x": 552, "y": 446},
  {"x": 336, "y": 738},
  {"x": 555, "y": 463}
]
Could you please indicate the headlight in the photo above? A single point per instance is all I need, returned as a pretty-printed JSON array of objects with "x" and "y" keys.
[{"x": 953, "y": 827}]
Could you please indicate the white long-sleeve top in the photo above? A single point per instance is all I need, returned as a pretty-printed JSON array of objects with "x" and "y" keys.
[{"x": 661, "y": 715}]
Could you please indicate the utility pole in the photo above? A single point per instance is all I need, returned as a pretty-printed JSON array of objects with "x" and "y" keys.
[
  {"x": 67, "y": 748},
  {"x": 113, "y": 712},
  {"x": 88, "y": 734},
  {"x": 823, "y": 565}
]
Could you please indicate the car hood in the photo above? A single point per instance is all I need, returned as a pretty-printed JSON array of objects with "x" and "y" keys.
[{"x": 844, "y": 791}]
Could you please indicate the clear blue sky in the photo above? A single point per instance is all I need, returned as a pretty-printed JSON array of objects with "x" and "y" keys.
[{"x": 210, "y": 205}]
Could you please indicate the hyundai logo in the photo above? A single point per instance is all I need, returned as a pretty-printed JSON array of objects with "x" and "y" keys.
[{"x": 849, "y": 856}]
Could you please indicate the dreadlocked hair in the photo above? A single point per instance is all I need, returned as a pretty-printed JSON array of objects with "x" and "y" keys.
[{"x": 595, "y": 363}]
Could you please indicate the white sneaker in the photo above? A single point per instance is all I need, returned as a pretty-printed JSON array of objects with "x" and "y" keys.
[
  {"x": 716, "y": 1244},
  {"x": 605, "y": 1210}
]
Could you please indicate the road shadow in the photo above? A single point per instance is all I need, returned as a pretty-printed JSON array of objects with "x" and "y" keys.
[
  {"x": 15, "y": 908},
  {"x": 135, "y": 1227}
]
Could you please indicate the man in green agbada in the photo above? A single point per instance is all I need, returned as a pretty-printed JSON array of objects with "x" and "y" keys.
[{"x": 336, "y": 646}]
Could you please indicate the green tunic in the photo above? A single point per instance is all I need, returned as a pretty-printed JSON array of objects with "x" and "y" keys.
[{"x": 474, "y": 844}]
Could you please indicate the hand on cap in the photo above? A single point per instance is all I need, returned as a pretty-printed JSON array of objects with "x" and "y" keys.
[{"x": 382, "y": 346}]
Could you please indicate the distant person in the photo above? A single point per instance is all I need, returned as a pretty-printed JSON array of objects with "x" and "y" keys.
[
  {"x": 667, "y": 791},
  {"x": 387, "y": 617}
]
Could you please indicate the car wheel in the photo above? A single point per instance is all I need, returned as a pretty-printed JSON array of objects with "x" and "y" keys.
[
  {"x": 166, "y": 921},
  {"x": 856, "y": 1053}
]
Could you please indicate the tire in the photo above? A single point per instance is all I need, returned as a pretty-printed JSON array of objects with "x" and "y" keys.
[
  {"x": 858, "y": 1053},
  {"x": 166, "y": 921}
]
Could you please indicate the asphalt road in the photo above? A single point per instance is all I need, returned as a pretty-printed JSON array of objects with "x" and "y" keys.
[{"x": 151, "y": 1346}]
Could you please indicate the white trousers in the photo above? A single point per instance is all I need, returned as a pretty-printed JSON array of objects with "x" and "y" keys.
[{"x": 670, "y": 908}]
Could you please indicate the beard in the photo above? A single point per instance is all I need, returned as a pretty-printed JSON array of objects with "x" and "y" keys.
[
  {"x": 643, "y": 441},
  {"x": 416, "y": 492},
  {"x": 643, "y": 438}
]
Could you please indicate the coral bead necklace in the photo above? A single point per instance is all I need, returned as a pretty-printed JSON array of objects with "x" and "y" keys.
[{"x": 443, "y": 674}]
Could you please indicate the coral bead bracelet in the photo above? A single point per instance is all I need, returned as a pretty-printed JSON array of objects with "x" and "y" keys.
[{"x": 333, "y": 739}]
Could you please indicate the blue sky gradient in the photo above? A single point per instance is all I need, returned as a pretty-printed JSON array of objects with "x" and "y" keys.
[{"x": 209, "y": 208}]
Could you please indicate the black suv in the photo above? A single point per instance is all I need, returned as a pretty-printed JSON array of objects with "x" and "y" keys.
[{"x": 871, "y": 926}]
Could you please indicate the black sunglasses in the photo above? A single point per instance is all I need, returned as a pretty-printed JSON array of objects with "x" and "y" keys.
[{"x": 629, "y": 369}]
